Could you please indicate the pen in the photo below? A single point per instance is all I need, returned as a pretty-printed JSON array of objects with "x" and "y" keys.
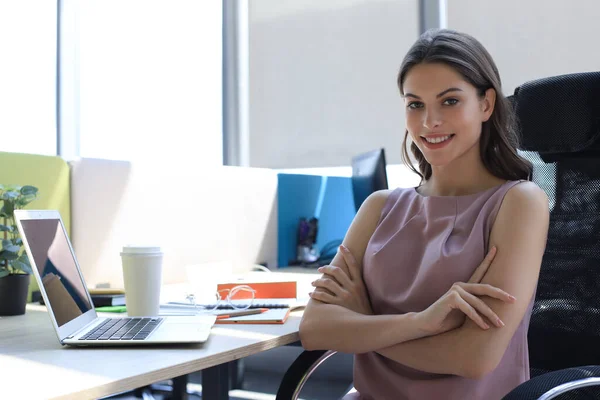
[{"x": 242, "y": 313}]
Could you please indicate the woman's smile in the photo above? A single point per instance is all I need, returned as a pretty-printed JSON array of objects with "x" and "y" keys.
[{"x": 434, "y": 142}]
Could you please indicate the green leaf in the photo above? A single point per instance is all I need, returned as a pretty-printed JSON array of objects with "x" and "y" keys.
[
  {"x": 6, "y": 243},
  {"x": 10, "y": 196},
  {"x": 12, "y": 248},
  {"x": 21, "y": 266},
  {"x": 4, "y": 228},
  {"x": 29, "y": 190},
  {"x": 19, "y": 242},
  {"x": 8, "y": 255},
  {"x": 8, "y": 209},
  {"x": 24, "y": 200},
  {"x": 25, "y": 260},
  {"x": 4, "y": 272}
]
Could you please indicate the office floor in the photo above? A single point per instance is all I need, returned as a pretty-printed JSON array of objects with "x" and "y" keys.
[
  {"x": 259, "y": 385},
  {"x": 263, "y": 372},
  {"x": 315, "y": 389}
]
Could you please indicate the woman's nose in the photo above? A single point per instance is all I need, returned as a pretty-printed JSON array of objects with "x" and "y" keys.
[{"x": 432, "y": 119}]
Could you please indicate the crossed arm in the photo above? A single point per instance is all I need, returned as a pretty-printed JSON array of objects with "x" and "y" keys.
[
  {"x": 519, "y": 233},
  {"x": 332, "y": 327}
]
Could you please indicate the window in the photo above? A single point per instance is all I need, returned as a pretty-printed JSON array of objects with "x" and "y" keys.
[
  {"x": 150, "y": 82},
  {"x": 28, "y": 76}
]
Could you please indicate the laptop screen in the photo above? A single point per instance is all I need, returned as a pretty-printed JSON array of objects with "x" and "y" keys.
[{"x": 63, "y": 284}]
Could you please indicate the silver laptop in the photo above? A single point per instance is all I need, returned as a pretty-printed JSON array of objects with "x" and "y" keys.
[{"x": 69, "y": 303}]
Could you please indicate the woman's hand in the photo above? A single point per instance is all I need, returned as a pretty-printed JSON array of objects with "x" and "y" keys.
[
  {"x": 462, "y": 300},
  {"x": 337, "y": 287}
]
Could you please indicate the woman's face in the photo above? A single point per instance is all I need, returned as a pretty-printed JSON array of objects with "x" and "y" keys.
[{"x": 444, "y": 113}]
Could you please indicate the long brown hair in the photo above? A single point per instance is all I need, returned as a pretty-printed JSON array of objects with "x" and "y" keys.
[{"x": 499, "y": 134}]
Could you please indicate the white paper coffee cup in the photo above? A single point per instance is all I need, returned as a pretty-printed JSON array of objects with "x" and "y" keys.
[{"x": 142, "y": 276}]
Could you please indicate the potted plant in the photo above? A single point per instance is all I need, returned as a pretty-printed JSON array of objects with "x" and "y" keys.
[{"x": 15, "y": 268}]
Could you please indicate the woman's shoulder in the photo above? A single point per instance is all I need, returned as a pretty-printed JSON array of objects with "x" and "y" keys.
[
  {"x": 524, "y": 196},
  {"x": 380, "y": 198},
  {"x": 376, "y": 200},
  {"x": 525, "y": 193},
  {"x": 380, "y": 203}
]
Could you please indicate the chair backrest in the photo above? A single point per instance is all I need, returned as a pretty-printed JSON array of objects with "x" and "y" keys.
[
  {"x": 50, "y": 174},
  {"x": 559, "y": 119}
]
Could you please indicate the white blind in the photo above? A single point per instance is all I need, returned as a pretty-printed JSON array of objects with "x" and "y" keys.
[
  {"x": 28, "y": 76},
  {"x": 150, "y": 79}
]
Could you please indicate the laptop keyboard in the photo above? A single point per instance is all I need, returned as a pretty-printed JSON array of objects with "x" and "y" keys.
[{"x": 123, "y": 329}]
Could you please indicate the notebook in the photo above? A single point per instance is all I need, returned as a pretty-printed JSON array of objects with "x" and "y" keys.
[
  {"x": 104, "y": 300},
  {"x": 273, "y": 316},
  {"x": 69, "y": 301}
]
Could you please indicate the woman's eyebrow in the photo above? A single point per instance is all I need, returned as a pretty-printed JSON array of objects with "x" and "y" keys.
[{"x": 452, "y": 89}]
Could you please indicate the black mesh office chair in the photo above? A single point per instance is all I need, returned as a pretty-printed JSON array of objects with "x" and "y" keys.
[{"x": 560, "y": 124}]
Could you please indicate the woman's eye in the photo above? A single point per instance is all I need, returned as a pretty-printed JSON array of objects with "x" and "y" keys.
[
  {"x": 450, "y": 102},
  {"x": 414, "y": 104}
]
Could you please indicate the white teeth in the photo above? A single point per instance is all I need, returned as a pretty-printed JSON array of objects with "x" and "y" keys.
[{"x": 438, "y": 139}]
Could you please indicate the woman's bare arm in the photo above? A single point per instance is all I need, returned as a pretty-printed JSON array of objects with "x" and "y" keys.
[
  {"x": 332, "y": 327},
  {"x": 519, "y": 233}
]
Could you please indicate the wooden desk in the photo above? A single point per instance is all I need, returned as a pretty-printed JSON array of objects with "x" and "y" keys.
[{"x": 36, "y": 366}]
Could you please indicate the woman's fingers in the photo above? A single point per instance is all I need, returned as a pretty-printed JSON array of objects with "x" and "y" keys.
[
  {"x": 469, "y": 292},
  {"x": 337, "y": 273},
  {"x": 483, "y": 267},
  {"x": 468, "y": 310},
  {"x": 330, "y": 285},
  {"x": 480, "y": 289},
  {"x": 478, "y": 305},
  {"x": 324, "y": 297},
  {"x": 351, "y": 262}
]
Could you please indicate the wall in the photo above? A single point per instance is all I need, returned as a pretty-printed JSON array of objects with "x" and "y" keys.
[
  {"x": 532, "y": 39},
  {"x": 220, "y": 219},
  {"x": 323, "y": 79}
]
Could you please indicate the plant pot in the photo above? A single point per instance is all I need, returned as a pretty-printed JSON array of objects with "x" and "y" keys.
[{"x": 13, "y": 294}]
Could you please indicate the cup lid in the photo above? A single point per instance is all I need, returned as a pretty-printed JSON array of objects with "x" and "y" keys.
[{"x": 137, "y": 249}]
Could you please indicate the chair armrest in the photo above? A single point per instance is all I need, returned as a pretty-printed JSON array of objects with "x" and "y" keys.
[
  {"x": 299, "y": 372},
  {"x": 552, "y": 384}
]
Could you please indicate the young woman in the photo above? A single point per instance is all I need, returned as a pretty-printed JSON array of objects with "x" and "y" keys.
[{"x": 433, "y": 286}]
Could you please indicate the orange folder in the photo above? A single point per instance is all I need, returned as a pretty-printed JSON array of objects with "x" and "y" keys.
[{"x": 264, "y": 290}]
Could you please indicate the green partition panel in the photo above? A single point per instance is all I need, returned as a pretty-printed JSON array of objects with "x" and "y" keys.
[{"x": 50, "y": 174}]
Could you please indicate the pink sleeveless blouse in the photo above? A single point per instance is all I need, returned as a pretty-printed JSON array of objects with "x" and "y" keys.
[{"x": 421, "y": 246}]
